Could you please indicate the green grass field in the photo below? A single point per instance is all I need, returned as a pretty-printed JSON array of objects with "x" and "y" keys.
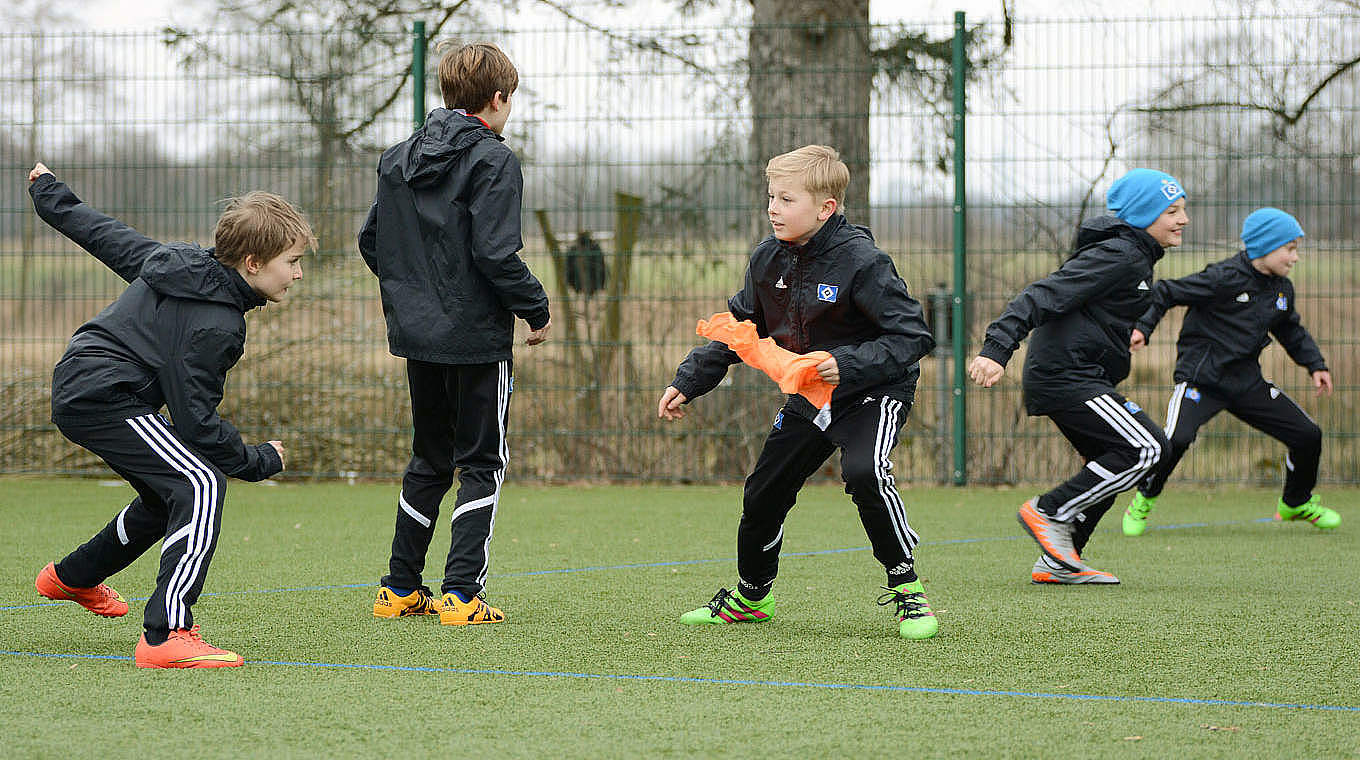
[{"x": 1230, "y": 636}]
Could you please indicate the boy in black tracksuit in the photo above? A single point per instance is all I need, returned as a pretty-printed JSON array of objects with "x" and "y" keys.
[
  {"x": 820, "y": 284},
  {"x": 443, "y": 237},
  {"x": 1235, "y": 305},
  {"x": 1081, "y": 317},
  {"x": 169, "y": 339}
]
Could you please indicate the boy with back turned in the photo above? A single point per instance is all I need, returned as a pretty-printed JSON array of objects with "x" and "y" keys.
[{"x": 443, "y": 237}]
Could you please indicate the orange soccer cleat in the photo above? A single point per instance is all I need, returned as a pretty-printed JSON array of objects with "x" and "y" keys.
[
  {"x": 184, "y": 649},
  {"x": 795, "y": 373},
  {"x": 101, "y": 600}
]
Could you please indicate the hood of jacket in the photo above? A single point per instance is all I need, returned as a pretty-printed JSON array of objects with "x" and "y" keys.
[
  {"x": 184, "y": 270},
  {"x": 1099, "y": 229},
  {"x": 431, "y": 151}
]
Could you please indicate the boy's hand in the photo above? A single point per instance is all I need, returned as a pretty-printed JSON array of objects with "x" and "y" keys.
[
  {"x": 984, "y": 371},
  {"x": 1322, "y": 380},
  {"x": 38, "y": 170},
  {"x": 830, "y": 371},
  {"x": 278, "y": 446},
  {"x": 1137, "y": 340},
  {"x": 670, "y": 407},
  {"x": 538, "y": 336}
]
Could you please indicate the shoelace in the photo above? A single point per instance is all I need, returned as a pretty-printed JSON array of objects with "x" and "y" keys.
[
  {"x": 196, "y": 640},
  {"x": 719, "y": 601},
  {"x": 908, "y": 606},
  {"x": 1140, "y": 509}
]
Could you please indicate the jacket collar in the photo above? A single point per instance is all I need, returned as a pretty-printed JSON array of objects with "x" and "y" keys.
[
  {"x": 821, "y": 240},
  {"x": 248, "y": 297}
]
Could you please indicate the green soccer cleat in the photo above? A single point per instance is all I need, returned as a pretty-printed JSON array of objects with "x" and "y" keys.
[
  {"x": 730, "y": 607},
  {"x": 1312, "y": 511},
  {"x": 1135, "y": 517},
  {"x": 915, "y": 619}
]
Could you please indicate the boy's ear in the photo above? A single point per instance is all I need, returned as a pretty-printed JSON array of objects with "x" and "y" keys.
[
  {"x": 829, "y": 207},
  {"x": 252, "y": 263}
]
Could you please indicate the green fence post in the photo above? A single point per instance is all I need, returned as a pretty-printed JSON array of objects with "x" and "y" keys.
[
  {"x": 418, "y": 70},
  {"x": 960, "y": 332}
]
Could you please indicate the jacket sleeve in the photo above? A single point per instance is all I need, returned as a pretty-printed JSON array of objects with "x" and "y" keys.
[
  {"x": 495, "y": 190},
  {"x": 1201, "y": 287},
  {"x": 1297, "y": 342},
  {"x": 368, "y": 239},
  {"x": 707, "y": 365},
  {"x": 192, "y": 381},
  {"x": 1080, "y": 278},
  {"x": 882, "y": 297},
  {"x": 120, "y": 247}
]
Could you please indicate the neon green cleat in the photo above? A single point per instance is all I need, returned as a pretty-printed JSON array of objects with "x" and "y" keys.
[
  {"x": 1135, "y": 517},
  {"x": 730, "y": 607},
  {"x": 915, "y": 619},
  {"x": 1312, "y": 511}
]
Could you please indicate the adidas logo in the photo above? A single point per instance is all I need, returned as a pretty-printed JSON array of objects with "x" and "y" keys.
[
  {"x": 1243, "y": 298},
  {"x": 780, "y": 282},
  {"x": 1142, "y": 285}
]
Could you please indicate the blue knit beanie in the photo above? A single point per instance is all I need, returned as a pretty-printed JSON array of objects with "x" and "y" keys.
[
  {"x": 1266, "y": 229},
  {"x": 1141, "y": 196}
]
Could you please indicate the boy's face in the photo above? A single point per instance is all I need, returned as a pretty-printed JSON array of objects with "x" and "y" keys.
[
  {"x": 272, "y": 280},
  {"x": 1279, "y": 261},
  {"x": 1167, "y": 229},
  {"x": 794, "y": 213}
]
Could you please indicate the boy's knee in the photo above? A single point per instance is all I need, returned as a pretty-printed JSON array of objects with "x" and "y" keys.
[
  {"x": 860, "y": 476},
  {"x": 1309, "y": 439}
]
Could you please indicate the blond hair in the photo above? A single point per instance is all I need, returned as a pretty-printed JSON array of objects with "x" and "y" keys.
[
  {"x": 471, "y": 75},
  {"x": 259, "y": 224},
  {"x": 819, "y": 167}
]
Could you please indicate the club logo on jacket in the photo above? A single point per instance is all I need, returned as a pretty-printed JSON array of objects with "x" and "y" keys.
[
  {"x": 1142, "y": 285},
  {"x": 779, "y": 421},
  {"x": 1192, "y": 394},
  {"x": 1132, "y": 407},
  {"x": 1282, "y": 303},
  {"x": 1243, "y": 297},
  {"x": 827, "y": 293}
]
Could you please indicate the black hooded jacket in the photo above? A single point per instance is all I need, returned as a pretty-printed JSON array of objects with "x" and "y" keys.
[
  {"x": 1081, "y": 315},
  {"x": 443, "y": 237},
  {"x": 837, "y": 293},
  {"x": 168, "y": 340},
  {"x": 1233, "y": 311}
]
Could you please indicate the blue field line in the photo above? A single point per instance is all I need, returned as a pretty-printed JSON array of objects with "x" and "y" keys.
[
  {"x": 635, "y": 565},
  {"x": 750, "y": 682}
]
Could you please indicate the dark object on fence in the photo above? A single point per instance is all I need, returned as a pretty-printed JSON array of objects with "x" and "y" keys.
[{"x": 586, "y": 271}]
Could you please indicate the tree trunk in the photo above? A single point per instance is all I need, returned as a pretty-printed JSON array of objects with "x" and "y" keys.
[{"x": 810, "y": 80}]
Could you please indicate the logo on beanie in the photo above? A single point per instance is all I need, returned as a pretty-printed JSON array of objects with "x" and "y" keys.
[
  {"x": 1170, "y": 189},
  {"x": 1282, "y": 303}
]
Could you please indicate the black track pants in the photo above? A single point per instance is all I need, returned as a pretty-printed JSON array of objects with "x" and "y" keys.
[
  {"x": 1265, "y": 408},
  {"x": 459, "y": 413},
  {"x": 179, "y": 499},
  {"x": 1120, "y": 444},
  {"x": 866, "y": 435}
]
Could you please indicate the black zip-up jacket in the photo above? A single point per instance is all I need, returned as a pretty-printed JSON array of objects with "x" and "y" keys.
[
  {"x": 443, "y": 237},
  {"x": 837, "y": 293},
  {"x": 1233, "y": 311},
  {"x": 168, "y": 340},
  {"x": 1081, "y": 315}
]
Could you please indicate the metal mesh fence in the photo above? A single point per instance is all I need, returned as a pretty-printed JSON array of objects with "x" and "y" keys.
[{"x": 642, "y": 201}]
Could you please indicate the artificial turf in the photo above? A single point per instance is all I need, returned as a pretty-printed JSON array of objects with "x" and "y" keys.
[{"x": 1231, "y": 635}]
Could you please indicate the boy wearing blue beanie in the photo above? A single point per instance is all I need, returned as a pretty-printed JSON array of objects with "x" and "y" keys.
[
  {"x": 1079, "y": 316},
  {"x": 1235, "y": 305}
]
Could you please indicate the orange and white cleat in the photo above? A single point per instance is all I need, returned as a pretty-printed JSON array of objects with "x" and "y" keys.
[
  {"x": 1052, "y": 536},
  {"x": 101, "y": 600},
  {"x": 184, "y": 649}
]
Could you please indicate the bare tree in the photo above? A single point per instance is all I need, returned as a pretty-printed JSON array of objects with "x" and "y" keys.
[{"x": 343, "y": 64}]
